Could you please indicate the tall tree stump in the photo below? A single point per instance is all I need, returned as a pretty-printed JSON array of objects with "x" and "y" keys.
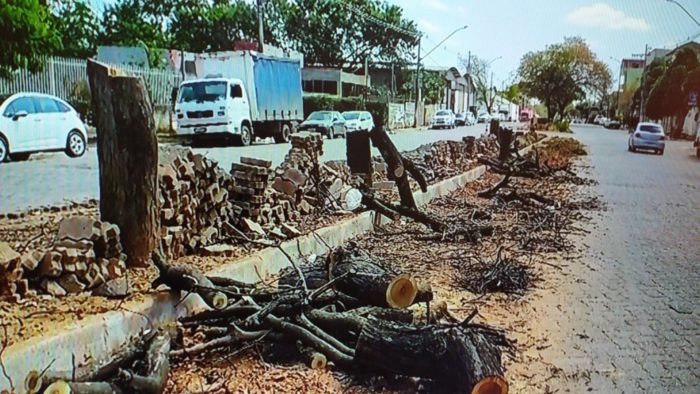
[{"x": 127, "y": 153}]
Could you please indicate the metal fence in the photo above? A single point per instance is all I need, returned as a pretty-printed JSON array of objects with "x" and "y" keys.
[{"x": 64, "y": 77}]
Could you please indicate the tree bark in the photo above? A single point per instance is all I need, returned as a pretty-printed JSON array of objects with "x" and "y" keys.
[
  {"x": 396, "y": 170},
  {"x": 370, "y": 282},
  {"x": 315, "y": 275},
  {"x": 127, "y": 152},
  {"x": 462, "y": 357}
]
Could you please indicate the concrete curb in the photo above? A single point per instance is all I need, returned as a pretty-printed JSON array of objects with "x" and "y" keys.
[{"x": 78, "y": 346}]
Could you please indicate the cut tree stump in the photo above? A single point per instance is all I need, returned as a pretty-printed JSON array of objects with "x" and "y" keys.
[
  {"x": 127, "y": 152},
  {"x": 465, "y": 358}
]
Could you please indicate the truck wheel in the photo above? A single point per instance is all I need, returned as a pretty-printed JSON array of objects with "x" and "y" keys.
[
  {"x": 245, "y": 138},
  {"x": 283, "y": 135}
]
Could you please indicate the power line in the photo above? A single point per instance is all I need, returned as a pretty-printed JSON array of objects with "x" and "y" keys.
[{"x": 380, "y": 22}]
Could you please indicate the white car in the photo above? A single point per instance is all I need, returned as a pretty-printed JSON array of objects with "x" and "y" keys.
[
  {"x": 443, "y": 118},
  {"x": 34, "y": 122},
  {"x": 483, "y": 117},
  {"x": 358, "y": 121}
]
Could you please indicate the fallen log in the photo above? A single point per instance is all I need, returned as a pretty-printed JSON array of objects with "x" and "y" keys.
[
  {"x": 182, "y": 278},
  {"x": 416, "y": 174},
  {"x": 390, "y": 210},
  {"x": 369, "y": 281},
  {"x": 313, "y": 359},
  {"x": 315, "y": 275},
  {"x": 466, "y": 359},
  {"x": 157, "y": 368}
]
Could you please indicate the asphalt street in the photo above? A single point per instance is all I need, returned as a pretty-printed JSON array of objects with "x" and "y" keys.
[{"x": 54, "y": 178}]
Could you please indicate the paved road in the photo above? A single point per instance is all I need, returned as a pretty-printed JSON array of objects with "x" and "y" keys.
[
  {"x": 53, "y": 178},
  {"x": 630, "y": 319}
]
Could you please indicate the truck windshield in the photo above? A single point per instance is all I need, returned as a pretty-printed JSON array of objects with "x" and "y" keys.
[{"x": 202, "y": 91}]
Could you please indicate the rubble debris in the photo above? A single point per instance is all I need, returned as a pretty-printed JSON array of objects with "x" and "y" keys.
[
  {"x": 85, "y": 254},
  {"x": 336, "y": 309}
]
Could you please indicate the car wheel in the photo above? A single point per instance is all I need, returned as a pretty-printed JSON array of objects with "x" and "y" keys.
[
  {"x": 3, "y": 150},
  {"x": 245, "y": 138},
  {"x": 331, "y": 133},
  {"x": 697, "y": 152},
  {"x": 661, "y": 152},
  {"x": 75, "y": 144},
  {"x": 20, "y": 156},
  {"x": 284, "y": 134}
]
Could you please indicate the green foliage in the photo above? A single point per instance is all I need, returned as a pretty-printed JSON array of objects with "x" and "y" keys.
[
  {"x": 78, "y": 28},
  {"x": 80, "y": 98},
  {"x": 203, "y": 27},
  {"x": 512, "y": 93},
  {"x": 562, "y": 126},
  {"x": 432, "y": 86},
  {"x": 668, "y": 86},
  {"x": 563, "y": 73},
  {"x": 27, "y": 35},
  {"x": 322, "y": 102}
]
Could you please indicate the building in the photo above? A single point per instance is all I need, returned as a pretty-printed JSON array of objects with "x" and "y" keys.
[
  {"x": 333, "y": 81},
  {"x": 631, "y": 73}
]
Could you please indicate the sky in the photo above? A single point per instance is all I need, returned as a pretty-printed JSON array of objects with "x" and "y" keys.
[{"x": 510, "y": 28}]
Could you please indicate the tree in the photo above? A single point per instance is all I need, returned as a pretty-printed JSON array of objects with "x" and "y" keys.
[
  {"x": 562, "y": 73},
  {"x": 432, "y": 85},
  {"x": 28, "y": 35},
  {"x": 140, "y": 23},
  {"x": 479, "y": 70},
  {"x": 512, "y": 93},
  {"x": 330, "y": 33},
  {"x": 202, "y": 27},
  {"x": 78, "y": 28},
  {"x": 669, "y": 91}
]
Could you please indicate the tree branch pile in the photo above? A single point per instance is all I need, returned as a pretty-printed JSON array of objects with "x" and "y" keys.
[
  {"x": 348, "y": 310},
  {"x": 505, "y": 274}
]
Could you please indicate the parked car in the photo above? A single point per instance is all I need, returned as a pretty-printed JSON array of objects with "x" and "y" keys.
[
  {"x": 34, "y": 122},
  {"x": 243, "y": 100},
  {"x": 460, "y": 119},
  {"x": 498, "y": 116},
  {"x": 483, "y": 117},
  {"x": 612, "y": 124},
  {"x": 647, "y": 136},
  {"x": 358, "y": 120},
  {"x": 329, "y": 123},
  {"x": 443, "y": 119},
  {"x": 469, "y": 119}
]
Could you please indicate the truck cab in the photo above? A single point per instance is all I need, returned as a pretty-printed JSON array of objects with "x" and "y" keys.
[{"x": 214, "y": 107}]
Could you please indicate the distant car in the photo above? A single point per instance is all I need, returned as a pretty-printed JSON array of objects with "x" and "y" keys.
[
  {"x": 34, "y": 122},
  {"x": 460, "y": 119},
  {"x": 483, "y": 117},
  {"x": 329, "y": 123},
  {"x": 524, "y": 116},
  {"x": 443, "y": 119},
  {"x": 612, "y": 124},
  {"x": 647, "y": 136},
  {"x": 358, "y": 121},
  {"x": 470, "y": 118},
  {"x": 498, "y": 116}
]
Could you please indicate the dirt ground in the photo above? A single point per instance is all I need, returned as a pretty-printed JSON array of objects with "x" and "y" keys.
[{"x": 442, "y": 263}]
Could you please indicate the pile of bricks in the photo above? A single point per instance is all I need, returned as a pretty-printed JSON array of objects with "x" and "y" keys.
[
  {"x": 194, "y": 199},
  {"x": 86, "y": 254},
  {"x": 251, "y": 177}
]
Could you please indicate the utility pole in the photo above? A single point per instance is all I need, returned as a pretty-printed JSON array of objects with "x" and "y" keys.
[
  {"x": 469, "y": 82},
  {"x": 260, "y": 24},
  {"x": 644, "y": 71},
  {"x": 415, "y": 112}
]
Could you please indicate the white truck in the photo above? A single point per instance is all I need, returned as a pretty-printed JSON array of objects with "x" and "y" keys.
[{"x": 243, "y": 95}]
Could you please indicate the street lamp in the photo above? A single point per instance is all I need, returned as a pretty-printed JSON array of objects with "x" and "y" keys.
[
  {"x": 684, "y": 10},
  {"x": 419, "y": 58}
]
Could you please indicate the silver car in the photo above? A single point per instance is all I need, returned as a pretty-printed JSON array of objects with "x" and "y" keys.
[{"x": 647, "y": 136}]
